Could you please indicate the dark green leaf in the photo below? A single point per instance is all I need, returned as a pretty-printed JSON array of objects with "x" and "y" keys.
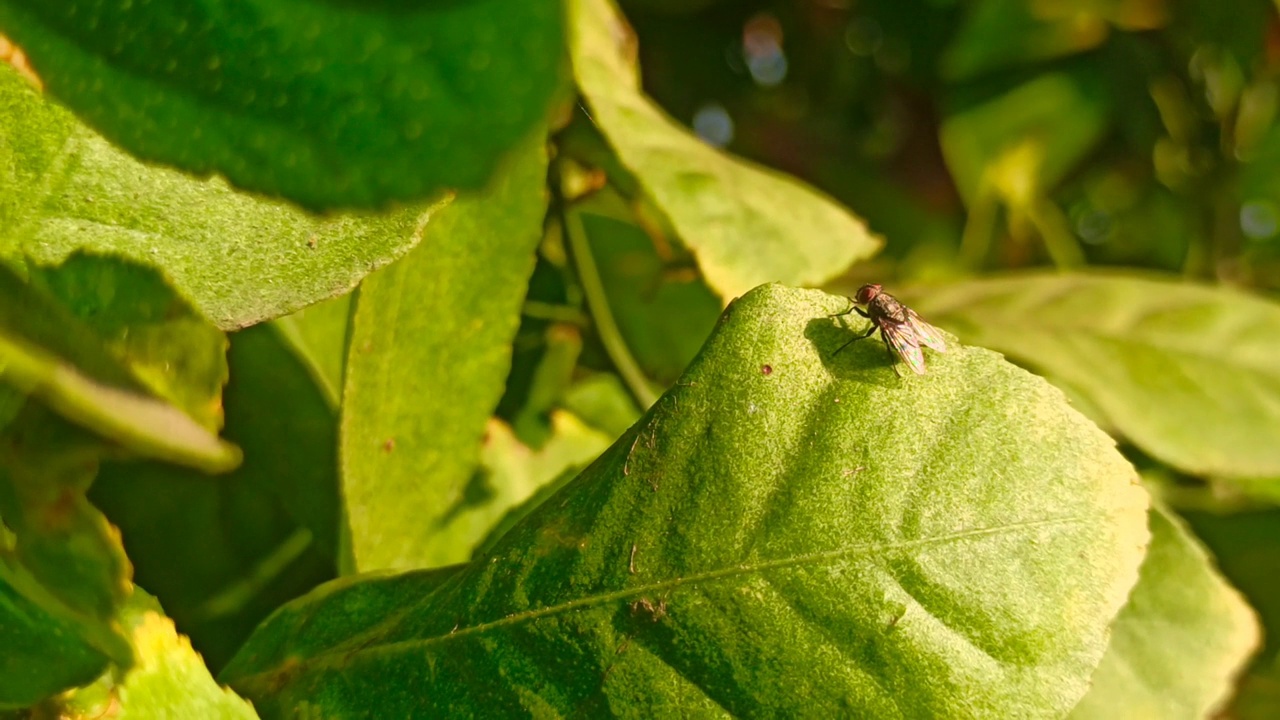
[
  {"x": 329, "y": 103},
  {"x": 222, "y": 553},
  {"x": 239, "y": 259},
  {"x": 63, "y": 574},
  {"x": 43, "y": 654},
  {"x": 430, "y": 348},
  {"x": 1189, "y": 373},
  {"x": 746, "y": 224},
  {"x": 820, "y": 539}
]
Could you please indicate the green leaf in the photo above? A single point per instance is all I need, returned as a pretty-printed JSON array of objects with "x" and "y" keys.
[
  {"x": 602, "y": 402},
  {"x": 746, "y": 224},
  {"x": 222, "y": 553},
  {"x": 820, "y": 539},
  {"x": 1179, "y": 642},
  {"x": 238, "y": 258},
  {"x": 63, "y": 573},
  {"x": 1023, "y": 142},
  {"x": 663, "y": 319},
  {"x": 430, "y": 349},
  {"x": 548, "y": 381},
  {"x": 1186, "y": 372},
  {"x": 326, "y": 103},
  {"x": 43, "y": 653},
  {"x": 318, "y": 336},
  {"x": 58, "y": 359},
  {"x": 1007, "y": 33},
  {"x": 170, "y": 348},
  {"x": 169, "y": 680},
  {"x": 1246, "y": 545},
  {"x": 520, "y": 478}
]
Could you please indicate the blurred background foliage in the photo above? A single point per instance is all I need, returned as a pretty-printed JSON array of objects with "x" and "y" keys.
[{"x": 1000, "y": 133}]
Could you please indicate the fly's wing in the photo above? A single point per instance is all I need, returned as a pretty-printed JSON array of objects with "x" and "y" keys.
[
  {"x": 926, "y": 334},
  {"x": 901, "y": 340}
]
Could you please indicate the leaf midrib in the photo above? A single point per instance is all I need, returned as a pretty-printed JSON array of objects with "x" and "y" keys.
[{"x": 338, "y": 657}]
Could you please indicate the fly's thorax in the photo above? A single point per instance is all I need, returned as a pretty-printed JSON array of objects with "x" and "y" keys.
[{"x": 885, "y": 307}]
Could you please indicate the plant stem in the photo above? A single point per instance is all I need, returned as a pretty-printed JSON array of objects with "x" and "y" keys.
[{"x": 598, "y": 304}]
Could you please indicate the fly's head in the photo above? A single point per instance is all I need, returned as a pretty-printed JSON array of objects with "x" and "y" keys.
[{"x": 867, "y": 293}]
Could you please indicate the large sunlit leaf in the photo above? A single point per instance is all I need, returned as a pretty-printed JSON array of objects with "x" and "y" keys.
[
  {"x": 328, "y": 103},
  {"x": 240, "y": 259},
  {"x": 430, "y": 347},
  {"x": 746, "y": 224},
  {"x": 1179, "y": 642},
  {"x": 1189, "y": 373},
  {"x": 786, "y": 532}
]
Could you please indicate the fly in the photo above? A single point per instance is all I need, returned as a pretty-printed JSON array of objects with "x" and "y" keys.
[{"x": 900, "y": 327}]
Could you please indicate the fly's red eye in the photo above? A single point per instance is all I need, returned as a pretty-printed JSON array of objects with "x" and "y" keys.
[{"x": 867, "y": 293}]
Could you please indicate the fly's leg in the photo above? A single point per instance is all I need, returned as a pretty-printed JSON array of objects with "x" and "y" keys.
[
  {"x": 853, "y": 307},
  {"x": 857, "y": 338}
]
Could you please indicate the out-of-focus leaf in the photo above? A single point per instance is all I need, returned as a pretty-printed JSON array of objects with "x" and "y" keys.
[
  {"x": 63, "y": 574},
  {"x": 1188, "y": 373},
  {"x": 1246, "y": 545},
  {"x": 222, "y": 553},
  {"x": 663, "y": 319},
  {"x": 1259, "y": 188},
  {"x": 1259, "y": 695},
  {"x": 61, "y": 361},
  {"x": 548, "y": 383},
  {"x": 519, "y": 478},
  {"x": 326, "y": 103},
  {"x": 1021, "y": 144},
  {"x": 43, "y": 653},
  {"x": 1001, "y": 33},
  {"x": 169, "y": 347},
  {"x": 430, "y": 349},
  {"x": 239, "y": 258},
  {"x": 602, "y": 402},
  {"x": 813, "y": 539},
  {"x": 745, "y": 224},
  {"x": 1179, "y": 642},
  {"x": 169, "y": 680},
  {"x": 318, "y": 336}
]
